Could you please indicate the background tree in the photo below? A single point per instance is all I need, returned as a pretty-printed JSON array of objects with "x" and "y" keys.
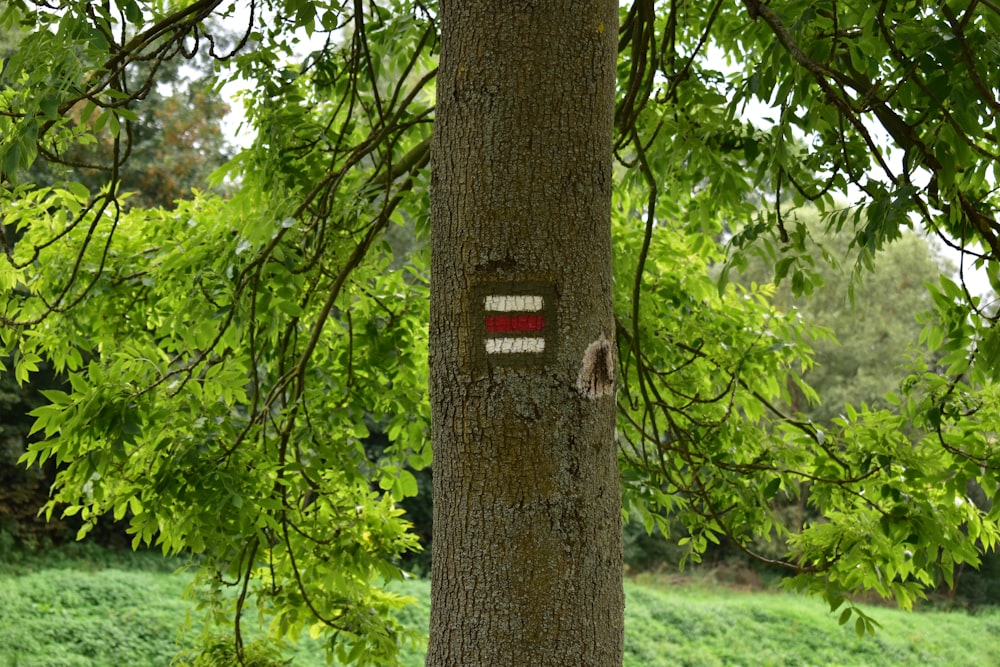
[
  {"x": 274, "y": 322},
  {"x": 874, "y": 317},
  {"x": 176, "y": 143}
]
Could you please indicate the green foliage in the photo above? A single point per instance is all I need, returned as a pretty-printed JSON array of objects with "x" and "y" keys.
[
  {"x": 301, "y": 488},
  {"x": 874, "y": 319},
  {"x": 176, "y": 142},
  {"x": 274, "y": 330},
  {"x": 715, "y": 398}
]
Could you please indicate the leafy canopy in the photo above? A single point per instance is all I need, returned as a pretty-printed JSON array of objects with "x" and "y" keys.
[{"x": 228, "y": 358}]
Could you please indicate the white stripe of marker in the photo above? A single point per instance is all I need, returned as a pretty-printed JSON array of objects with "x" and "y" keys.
[
  {"x": 514, "y": 345},
  {"x": 513, "y": 302}
]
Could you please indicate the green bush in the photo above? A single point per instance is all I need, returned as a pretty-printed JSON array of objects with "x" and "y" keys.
[
  {"x": 72, "y": 618},
  {"x": 86, "y": 557},
  {"x": 220, "y": 651},
  {"x": 79, "y": 616}
]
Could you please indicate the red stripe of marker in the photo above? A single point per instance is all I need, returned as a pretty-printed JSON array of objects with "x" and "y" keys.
[{"x": 515, "y": 323}]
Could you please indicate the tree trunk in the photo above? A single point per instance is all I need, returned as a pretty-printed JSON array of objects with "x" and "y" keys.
[{"x": 527, "y": 566}]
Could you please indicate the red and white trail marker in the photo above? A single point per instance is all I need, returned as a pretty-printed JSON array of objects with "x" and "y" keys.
[{"x": 515, "y": 323}]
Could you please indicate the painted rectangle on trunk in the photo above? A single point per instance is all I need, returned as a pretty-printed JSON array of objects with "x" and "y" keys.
[{"x": 514, "y": 323}]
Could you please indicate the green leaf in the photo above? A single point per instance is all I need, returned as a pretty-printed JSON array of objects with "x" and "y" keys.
[
  {"x": 408, "y": 484},
  {"x": 128, "y": 114},
  {"x": 102, "y": 120},
  {"x": 291, "y": 308},
  {"x": 79, "y": 190},
  {"x": 50, "y": 107},
  {"x": 12, "y": 158},
  {"x": 132, "y": 12},
  {"x": 56, "y": 396}
]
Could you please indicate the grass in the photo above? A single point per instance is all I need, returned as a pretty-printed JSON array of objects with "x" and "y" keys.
[
  {"x": 715, "y": 627},
  {"x": 79, "y": 611},
  {"x": 79, "y": 618}
]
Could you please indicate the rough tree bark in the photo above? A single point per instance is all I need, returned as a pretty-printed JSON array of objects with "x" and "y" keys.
[{"x": 527, "y": 510}]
